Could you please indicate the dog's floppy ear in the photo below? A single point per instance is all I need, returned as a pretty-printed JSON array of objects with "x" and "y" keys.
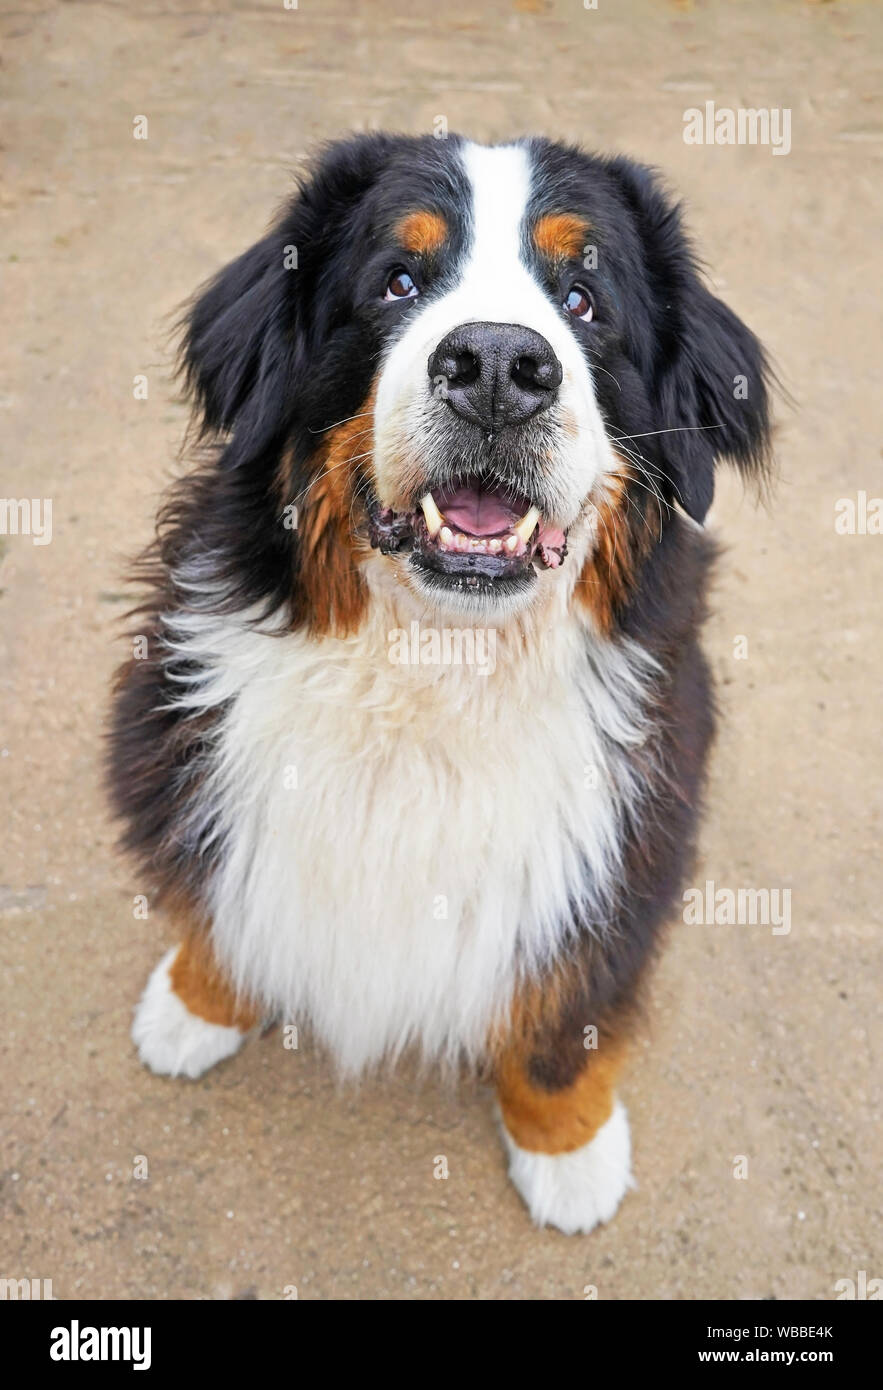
[
  {"x": 240, "y": 345},
  {"x": 711, "y": 378},
  {"x": 244, "y": 351},
  {"x": 713, "y": 398}
]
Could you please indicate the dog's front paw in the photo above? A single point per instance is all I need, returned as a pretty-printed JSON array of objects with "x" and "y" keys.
[
  {"x": 577, "y": 1190},
  {"x": 170, "y": 1039}
]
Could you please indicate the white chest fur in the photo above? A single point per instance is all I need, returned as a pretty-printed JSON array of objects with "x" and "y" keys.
[{"x": 398, "y": 841}]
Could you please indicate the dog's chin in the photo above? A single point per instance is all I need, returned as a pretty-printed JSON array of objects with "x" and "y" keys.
[
  {"x": 470, "y": 593},
  {"x": 470, "y": 547}
]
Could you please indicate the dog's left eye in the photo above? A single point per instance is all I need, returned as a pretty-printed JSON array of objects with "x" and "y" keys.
[
  {"x": 579, "y": 303},
  {"x": 400, "y": 286}
]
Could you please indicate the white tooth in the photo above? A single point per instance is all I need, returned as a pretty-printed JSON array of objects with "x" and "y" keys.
[
  {"x": 525, "y": 527},
  {"x": 432, "y": 514},
  {"x": 446, "y": 535},
  {"x": 496, "y": 544},
  {"x": 511, "y": 542},
  {"x": 461, "y": 542}
]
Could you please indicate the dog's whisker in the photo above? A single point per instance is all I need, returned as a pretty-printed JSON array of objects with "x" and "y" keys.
[
  {"x": 344, "y": 463},
  {"x": 635, "y": 456},
  {"x": 675, "y": 429},
  {"x": 326, "y": 429}
]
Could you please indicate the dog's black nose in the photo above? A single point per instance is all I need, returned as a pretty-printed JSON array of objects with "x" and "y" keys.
[{"x": 495, "y": 374}]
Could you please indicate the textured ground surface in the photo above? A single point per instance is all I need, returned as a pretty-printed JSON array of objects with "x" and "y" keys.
[{"x": 263, "y": 1175}]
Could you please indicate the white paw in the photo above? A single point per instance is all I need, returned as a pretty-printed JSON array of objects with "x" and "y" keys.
[
  {"x": 170, "y": 1039},
  {"x": 574, "y": 1191}
]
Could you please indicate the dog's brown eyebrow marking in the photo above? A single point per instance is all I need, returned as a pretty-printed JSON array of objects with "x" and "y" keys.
[
  {"x": 561, "y": 236},
  {"x": 422, "y": 231}
]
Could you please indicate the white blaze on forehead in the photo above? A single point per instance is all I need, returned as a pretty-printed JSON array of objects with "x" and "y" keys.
[
  {"x": 497, "y": 284},
  {"x": 500, "y": 185}
]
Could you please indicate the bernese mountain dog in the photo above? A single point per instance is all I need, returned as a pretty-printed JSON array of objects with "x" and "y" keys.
[{"x": 460, "y": 402}]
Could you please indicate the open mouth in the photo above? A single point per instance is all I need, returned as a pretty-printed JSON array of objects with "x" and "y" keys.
[{"x": 471, "y": 535}]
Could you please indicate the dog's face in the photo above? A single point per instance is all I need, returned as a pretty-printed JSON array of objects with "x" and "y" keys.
[
  {"x": 488, "y": 437},
  {"x": 473, "y": 358}
]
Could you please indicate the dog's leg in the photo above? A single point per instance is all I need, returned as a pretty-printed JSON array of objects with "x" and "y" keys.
[
  {"x": 189, "y": 1016},
  {"x": 566, "y": 1134}
]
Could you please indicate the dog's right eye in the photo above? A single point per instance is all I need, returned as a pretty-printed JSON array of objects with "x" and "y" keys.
[
  {"x": 400, "y": 286},
  {"x": 579, "y": 303}
]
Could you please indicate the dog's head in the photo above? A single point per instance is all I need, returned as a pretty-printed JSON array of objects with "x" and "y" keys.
[{"x": 478, "y": 361}]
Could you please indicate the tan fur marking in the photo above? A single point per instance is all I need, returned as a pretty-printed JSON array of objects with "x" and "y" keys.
[
  {"x": 559, "y": 1121},
  {"x": 204, "y": 990},
  {"x": 561, "y": 236},
  {"x": 536, "y": 1004},
  {"x": 623, "y": 538},
  {"x": 422, "y": 232},
  {"x": 331, "y": 595}
]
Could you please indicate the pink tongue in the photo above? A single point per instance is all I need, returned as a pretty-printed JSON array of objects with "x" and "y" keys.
[{"x": 478, "y": 513}]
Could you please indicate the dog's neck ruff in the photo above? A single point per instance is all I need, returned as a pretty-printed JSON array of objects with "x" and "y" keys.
[{"x": 398, "y": 842}]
